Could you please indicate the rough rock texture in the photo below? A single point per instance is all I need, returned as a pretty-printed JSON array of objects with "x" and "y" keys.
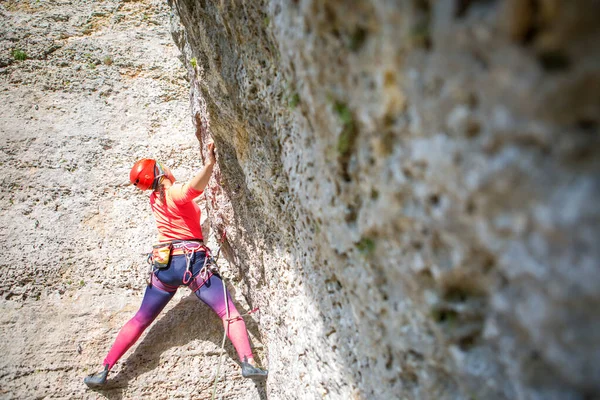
[
  {"x": 101, "y": 86},
  {"x": 409, "y": 190}
]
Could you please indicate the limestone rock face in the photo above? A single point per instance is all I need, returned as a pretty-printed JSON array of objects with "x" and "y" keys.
[{"x": 409, "y": 190}]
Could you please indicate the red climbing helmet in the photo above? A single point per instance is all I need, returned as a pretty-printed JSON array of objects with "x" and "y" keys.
[
  {"x": 146, "y": 173},
  {"x": 143, "y": 173}
]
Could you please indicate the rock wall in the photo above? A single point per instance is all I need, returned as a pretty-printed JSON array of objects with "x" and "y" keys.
[
  {"x": 409, "y": 190},
  {"x": 100, "y": 86}
]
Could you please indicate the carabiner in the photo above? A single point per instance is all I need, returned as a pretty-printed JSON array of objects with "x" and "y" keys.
[{"x": 187, "y": 277}]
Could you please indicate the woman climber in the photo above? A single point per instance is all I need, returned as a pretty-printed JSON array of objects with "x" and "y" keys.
[{"x": 178, "y": 260}]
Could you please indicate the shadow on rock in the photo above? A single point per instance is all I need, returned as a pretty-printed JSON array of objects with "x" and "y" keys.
[{"x": 190, "y": 319}]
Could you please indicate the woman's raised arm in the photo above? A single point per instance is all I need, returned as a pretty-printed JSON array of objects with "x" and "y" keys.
[{"x": 201, "y": 179}]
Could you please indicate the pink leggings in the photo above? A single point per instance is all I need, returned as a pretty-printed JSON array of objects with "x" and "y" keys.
[{"x": 155, "y": 299}]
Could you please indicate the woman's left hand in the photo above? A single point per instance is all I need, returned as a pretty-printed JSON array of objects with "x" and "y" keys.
[
  {"x": 201, "y": 179},
  {"x": 212, "y": 159}
]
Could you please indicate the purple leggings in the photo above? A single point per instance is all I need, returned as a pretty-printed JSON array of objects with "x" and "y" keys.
[{"x": 157, "y": 295}]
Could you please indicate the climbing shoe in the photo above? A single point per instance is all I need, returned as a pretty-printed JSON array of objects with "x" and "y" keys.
[
  {"x": 96, "y": 380},
  {"x": 252, "y": 372}
]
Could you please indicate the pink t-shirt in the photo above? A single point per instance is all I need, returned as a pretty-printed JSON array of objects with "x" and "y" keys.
[{"x": 179, "y": 217}]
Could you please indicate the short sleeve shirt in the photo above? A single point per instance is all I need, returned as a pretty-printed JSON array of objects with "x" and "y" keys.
[{"x": 178, "y": 218}]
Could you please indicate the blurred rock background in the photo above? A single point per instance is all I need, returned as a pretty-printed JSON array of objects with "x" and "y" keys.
[{"x": 409, "y": 192}]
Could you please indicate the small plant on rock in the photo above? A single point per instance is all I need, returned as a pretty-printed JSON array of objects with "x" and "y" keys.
[
  {"x": 294, "y": 100},
  {"x": 19, "y": 55},
  {"x": 348, "y": 135},
  {"x": 366, "y": 246}
]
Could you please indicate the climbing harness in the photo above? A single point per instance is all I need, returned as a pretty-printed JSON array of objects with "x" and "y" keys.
[
  {"x": 160, "y": 256},
  {"x": 189, "y": 248}
]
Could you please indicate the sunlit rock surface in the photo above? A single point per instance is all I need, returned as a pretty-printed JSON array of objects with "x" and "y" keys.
[{"x": 102, "y": 85}]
